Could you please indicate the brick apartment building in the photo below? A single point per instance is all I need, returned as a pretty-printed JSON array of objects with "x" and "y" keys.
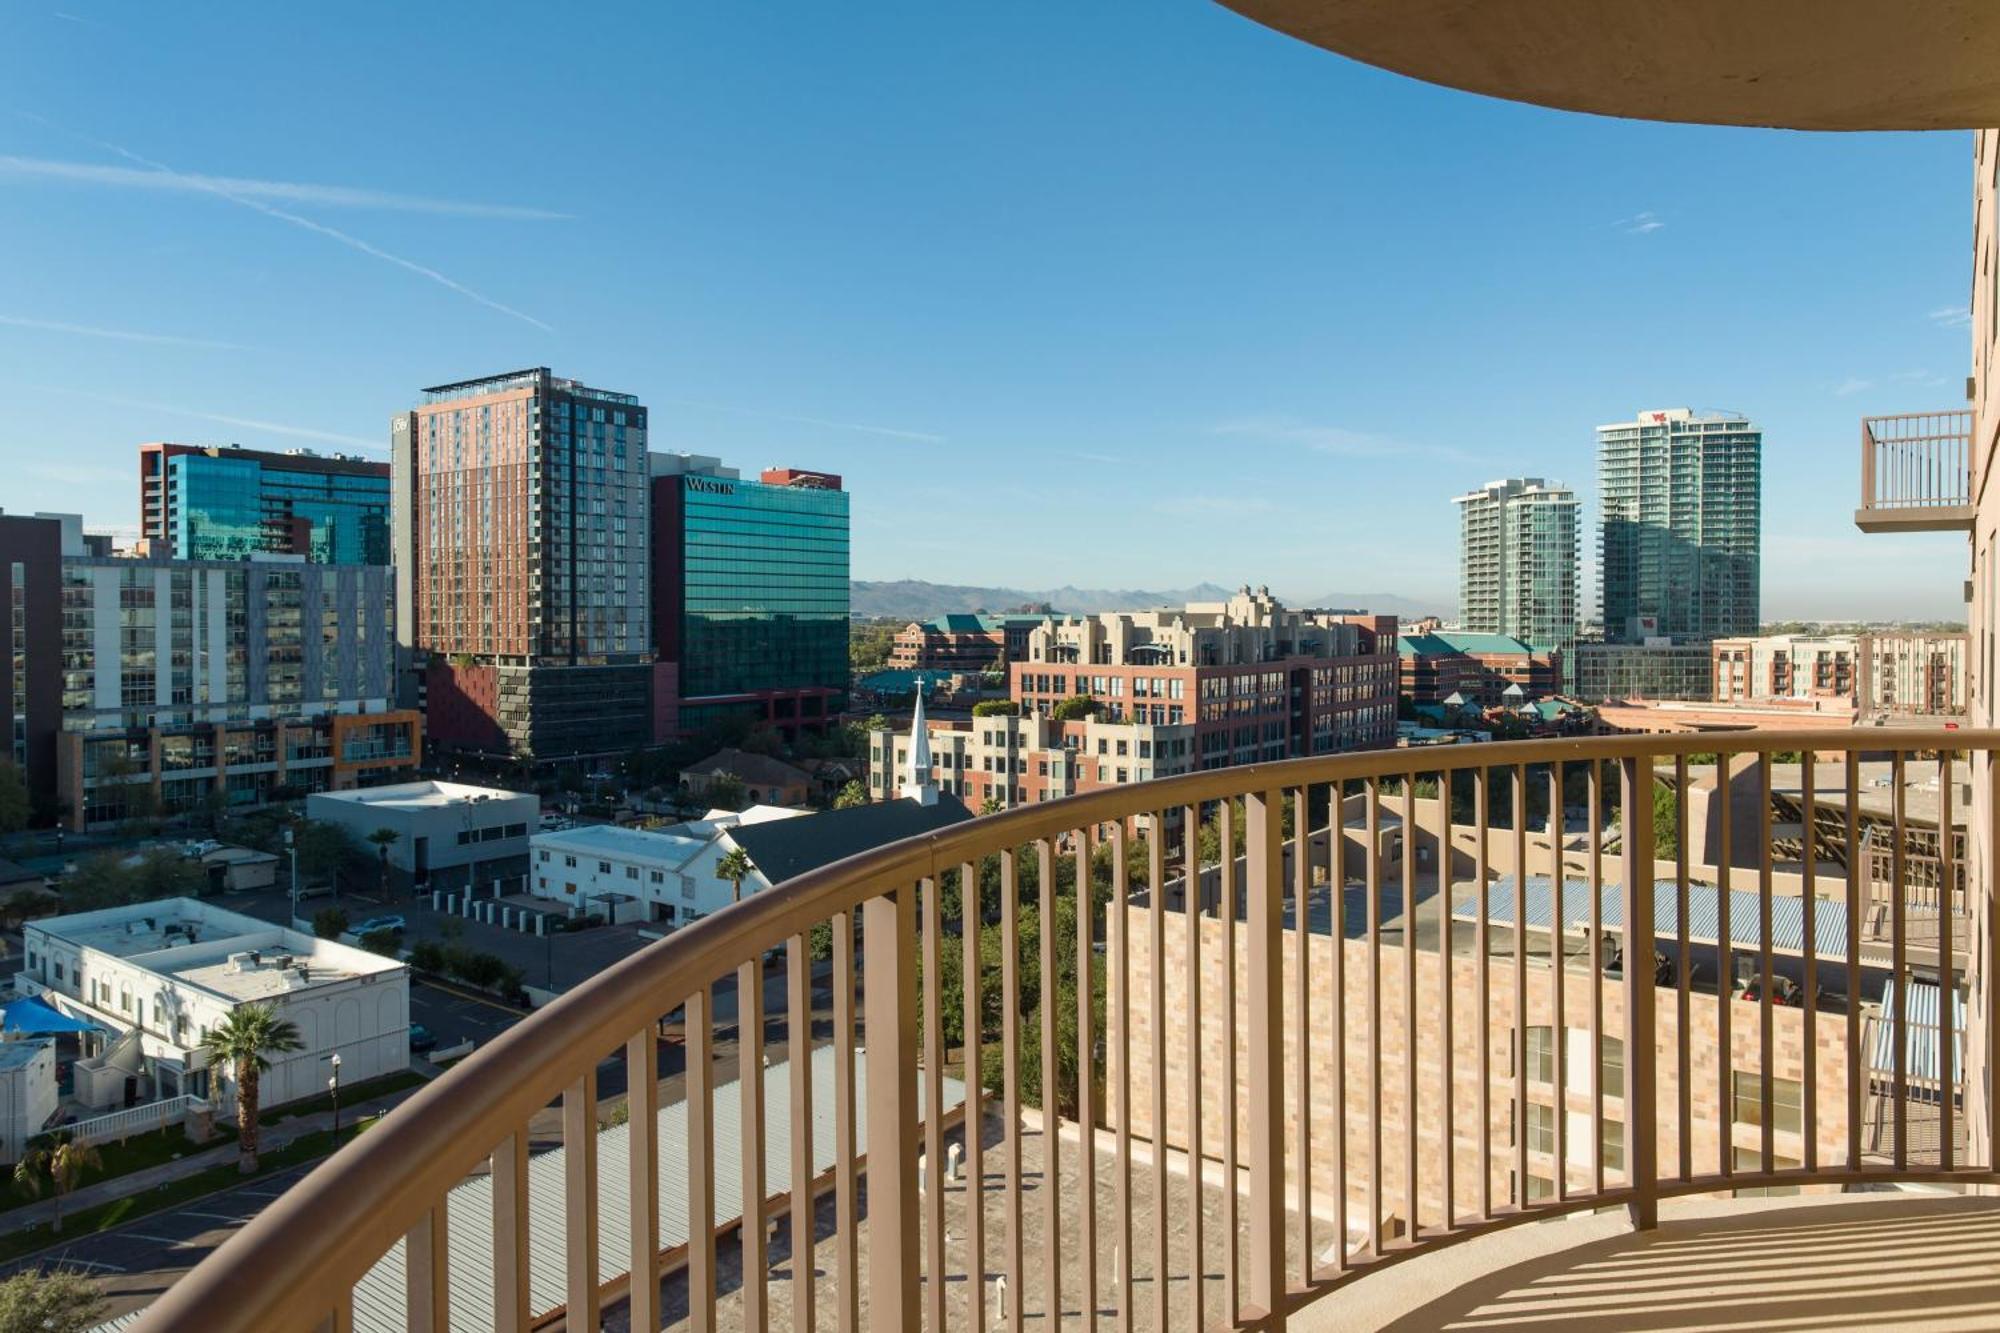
[
  {"x": 1898, "y": 672},
  {"x": 1480, "y": 667},
  {"x": 963, "y": 642}
]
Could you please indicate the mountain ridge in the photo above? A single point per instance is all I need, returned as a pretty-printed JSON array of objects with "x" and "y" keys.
[{"x": 919, "y": 599}]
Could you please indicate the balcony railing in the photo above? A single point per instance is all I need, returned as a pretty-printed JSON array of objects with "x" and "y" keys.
[
  {"x": 1916, "y": 473},
  {"x": 1482, "y": 1023}
]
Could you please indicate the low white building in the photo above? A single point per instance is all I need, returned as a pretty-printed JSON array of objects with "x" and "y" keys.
[
  {"x": 28, "y": 1096},
  {"x": 665, "y": 874},
  {"x": 448, "y": 834},
  {"x": 158, "y": 976}
]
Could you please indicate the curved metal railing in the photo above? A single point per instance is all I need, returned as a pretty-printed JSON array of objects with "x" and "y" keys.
[{"x": 1452, "y": 987}]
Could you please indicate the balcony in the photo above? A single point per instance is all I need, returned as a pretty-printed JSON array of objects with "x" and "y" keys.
[
  {"x": 1347, "y": 1087},
  {"x": 1916, "y": 473}
]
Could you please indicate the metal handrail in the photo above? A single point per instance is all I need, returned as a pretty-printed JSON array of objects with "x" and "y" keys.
[{"x": 300, "y": 1258}]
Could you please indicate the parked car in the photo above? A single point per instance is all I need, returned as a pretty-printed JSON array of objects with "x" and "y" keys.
[
  {"x": 375, "y": 924},
  {"x": 422, "y": 1038}
]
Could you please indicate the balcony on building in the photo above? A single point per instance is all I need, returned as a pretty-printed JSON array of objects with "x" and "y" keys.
[{"x": 1916, "y": 473}]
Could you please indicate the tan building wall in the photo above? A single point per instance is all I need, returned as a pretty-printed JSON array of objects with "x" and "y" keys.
[{"x": 1316, "y": 1031}]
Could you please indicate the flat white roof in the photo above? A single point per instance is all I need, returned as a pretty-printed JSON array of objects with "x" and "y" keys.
[
  {"x": 426, "y": 795},
  {"x": 631, "y": 844},
  {"x": 15, "y": 1054}
]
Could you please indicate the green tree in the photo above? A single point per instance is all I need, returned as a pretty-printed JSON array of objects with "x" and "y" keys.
[
  {"x": 59, "y": 1300},
  {"x": 996, "y": 708},
  {"x": 383, "y": 839},
  {"x": 14, "y": 801},
  {"x": 1075, "y": 708},
  {"x": 727, "y": 792},
  {"x": 868, "y": 644},
  {"x": 1666, "y": 821},
  {"x": 57, "y": 1165},
  {"x": 329, "y": 922},
  {"x": 989, "y": 804},
  {"x": 245, "y": 1040},
  {"x": 734, "y": 866},
  {"x": 851, "y": 795},
  {"x": 323, "y": 849}
]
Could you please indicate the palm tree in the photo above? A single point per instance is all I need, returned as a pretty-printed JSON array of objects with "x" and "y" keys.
[
  {"x": 61, "y": 1162},
  {"x": 241, "y": 1040},
  {"x": 384, "y": 838},
  {"x": 734, "y": 867}
]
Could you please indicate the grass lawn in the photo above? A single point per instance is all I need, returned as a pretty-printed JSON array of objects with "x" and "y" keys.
[
  {"x": 351, "y": 1095},
  {"x": 135, "y": 1154},
  {"x": 105, "y": 1216}
]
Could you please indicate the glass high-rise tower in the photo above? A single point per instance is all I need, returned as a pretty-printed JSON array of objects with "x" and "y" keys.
[
  {"x": 1682, "y": 500},
  {"x": 200, "y": 502},
  {"x": 1518, "y": 562}
]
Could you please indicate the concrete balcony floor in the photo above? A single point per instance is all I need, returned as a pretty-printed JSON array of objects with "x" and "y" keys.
[{"x": 1854, "y": 1261}]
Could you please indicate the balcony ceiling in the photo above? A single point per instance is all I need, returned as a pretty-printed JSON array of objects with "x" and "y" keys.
[{"x": 1797, "y": 64}]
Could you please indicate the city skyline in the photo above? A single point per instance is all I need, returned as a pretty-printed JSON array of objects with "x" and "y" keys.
[{"x": 842, "y": 289}]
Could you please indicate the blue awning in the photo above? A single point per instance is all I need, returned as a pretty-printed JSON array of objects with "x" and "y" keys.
[
  {"x": 1788, "y": 931},
  {"x": 1920, "y": 1054},
  {"x": 33, "y": 1017}
]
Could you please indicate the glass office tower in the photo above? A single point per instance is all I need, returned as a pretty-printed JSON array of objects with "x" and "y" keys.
[
  {"x": 751, "y": 592},
  {"x": 210, "y": 503}
]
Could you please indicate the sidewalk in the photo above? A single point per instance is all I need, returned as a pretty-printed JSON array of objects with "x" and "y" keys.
[{"x": 269, "y": 1140}]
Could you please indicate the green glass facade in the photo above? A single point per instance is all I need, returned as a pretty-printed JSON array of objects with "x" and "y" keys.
[
  {"x": 764, "y": 588},
  {"x": 226, "y": 508}
]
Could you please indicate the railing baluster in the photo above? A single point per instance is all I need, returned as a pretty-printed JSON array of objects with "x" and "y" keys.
[
  {"x": 1412, "y": 1205},
  {"x": 579, "y": 1122},
  {"x": 799, "y": 1053},
  {"x": 427, "y": 1272},
  {"x": 1010, "y": 1051},
  {"x": 1265, "y": 996},
  {"x": 1640, "y": 1092},
  {"x": 933, "y": 965},
  {"x": 889, "y": 997},
  {"x": 340, "y": 1319},
  {"x": 1684, "y": 964},
  {"x": 642, "y": 1178},
  {"x": 695, "y": 1018},
  {"x": 1766, "y": 1023},
  {"x": 1336, "y": 892},
  {"x": 1447, "y": 1100},
  {"x": 1191, "y": 903},
  {"x": 1118, "y": 1036},
  {"x": 1947, "y": 968},
  {"x": 846, "y": 1178},
  {"x": 1899, "y": 967},
  {"x": 1484, "y": 981},
  {"x": 969, "y": 910},
  {"x": 1302, "y": 1026},
  {"x": 1373, "y": 875},
  {"x": 1225, "y": 911},
  {"x": 1156, "y": 971},
  {"x": 1558, "y": 969},
  {"x": 508, "y": 1167},
  {"x": 1086, "y": 1102},
  {"x": 1052, "y": 1237},
  {"x": 1809, "y": 904},
  {"x": 1725, "y": 971},
  {"x": 1857, "y": 875},
  {"x": 1594, "y": 822},
  {"x": 752, "y": 1237},
  {"x": 1987, "y": 922},
  {"x": 1520, "y": 813}
]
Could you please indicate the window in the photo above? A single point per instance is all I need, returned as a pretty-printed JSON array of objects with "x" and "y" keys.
[
  {"x": 631, "y": 872},
  {"x": 657, "y": 876},
  {"x": 570, "y": 861},
  {"x": 1541, "y": 1055},
  {"x": 543, "y": 855},
  {"x": 59, "y": 971},
  {"x": 603, "y": 867},
  {"x": 570, "y": 889},
  {"x": 1541, "y": 1128},
  {"x": 1787, "y": 1106},
  {"x": 1752, "y": 1159}
]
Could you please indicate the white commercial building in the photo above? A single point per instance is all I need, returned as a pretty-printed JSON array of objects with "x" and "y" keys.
[
  {"x": 447, "y": 833},
  {"x": 159, "y": 976},
  {"x": 28, "y": 1096},
  {"x": 666, "y": 874}
]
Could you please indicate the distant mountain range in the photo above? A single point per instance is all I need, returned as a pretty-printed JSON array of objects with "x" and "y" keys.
[{"x": 914, "y": 599}]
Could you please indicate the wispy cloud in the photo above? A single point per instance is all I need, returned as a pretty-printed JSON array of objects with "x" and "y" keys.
[
  {"x": 1847, "y": 388},
  {"x": 1100, "y": 458},
  {"x": 1337, "y": 440},
  {"x": 1639, "y": 224},
  {"x": 220, "y": 188},
  {"x": 78, "y": 18},
  {"x": 243, "y": 423},
  {"x": 1951, "y": 317},
  {"x": 861, "y": 427},
  {"x": 289, "y": 192},
  {"x": 121, "y": 335}
]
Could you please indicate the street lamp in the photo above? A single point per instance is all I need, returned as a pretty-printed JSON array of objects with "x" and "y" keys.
[{"x": 333, "y": 1086}]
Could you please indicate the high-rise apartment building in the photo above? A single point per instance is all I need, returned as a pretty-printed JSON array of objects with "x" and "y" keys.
[
  {"x": 200, "y": 502},
  {"x": 521, "y": 539},
  {"x": 750, "y": 596},
  {"x": 1682, "y": 499},
  {"x": 1517, "y": 563},
  {"x": 31, "y": 610}
]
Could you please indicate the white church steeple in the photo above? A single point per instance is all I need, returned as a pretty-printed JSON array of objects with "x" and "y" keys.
[{"x": 917, "y": 784}]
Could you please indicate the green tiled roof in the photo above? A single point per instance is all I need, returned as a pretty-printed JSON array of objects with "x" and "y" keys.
[{"x": 1445, "y": 643}]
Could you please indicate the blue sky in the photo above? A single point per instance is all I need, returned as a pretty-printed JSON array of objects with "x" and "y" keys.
[{"x": 1114, "y": 295}]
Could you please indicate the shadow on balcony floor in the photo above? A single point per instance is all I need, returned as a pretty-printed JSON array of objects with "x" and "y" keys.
[{"x": 1837, "y": 1262}]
